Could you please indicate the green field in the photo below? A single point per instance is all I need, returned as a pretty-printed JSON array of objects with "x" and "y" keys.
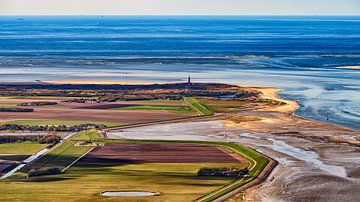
[
  {"x": 60, "y": 122},
  {"x": 19, "y": 151},
  {"x": 90, "y": 135},
  {"x": 175, "y": 182}
]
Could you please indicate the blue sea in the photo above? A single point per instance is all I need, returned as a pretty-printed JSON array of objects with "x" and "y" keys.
[{"x": 301, "y": 55}]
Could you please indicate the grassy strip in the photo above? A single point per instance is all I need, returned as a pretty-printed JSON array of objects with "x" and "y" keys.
[
  {"x": 199, "y": 107},
  {"x": 60, "y": 122},
  {"x": 156, "y": 107}
]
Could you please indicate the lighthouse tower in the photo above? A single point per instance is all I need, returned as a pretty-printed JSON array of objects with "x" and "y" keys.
[{"x": 189, "y": 80}]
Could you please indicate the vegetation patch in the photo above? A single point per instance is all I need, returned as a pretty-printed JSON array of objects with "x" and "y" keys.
[
  {"x": 223, "y": 172},
  {"x": 41, "y": 172},
  {"x": 36, "y": 104},
  {"x": 272, "y": 102},
  {"x": 58, "y": 128},
  {"x": 240, "y": 119},
  {"x": 15, "y": 109},
  {"x": 90, "y": 135},
  {"x": 40, "y": 139}
]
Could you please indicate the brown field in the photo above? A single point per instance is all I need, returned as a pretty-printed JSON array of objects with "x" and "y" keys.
[
  {"x": 123, "y": 153},
  {"x": 108, "y": 106},
  {"x": 84, "y": 111}
]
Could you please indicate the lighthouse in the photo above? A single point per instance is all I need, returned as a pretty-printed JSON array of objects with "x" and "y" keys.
[{"x": 189, "y": 80}]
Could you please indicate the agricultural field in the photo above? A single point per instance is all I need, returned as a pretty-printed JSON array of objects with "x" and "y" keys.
[
  {"x": 108, "y": 114},
  {"x": 96, "y": 164},
  {"x": 169, "y": 168},
  {"x": 12, "y": 153}
]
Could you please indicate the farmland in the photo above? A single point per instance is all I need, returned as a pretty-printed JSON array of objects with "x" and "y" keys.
[
  {"x": 97, "y": 164},
  {"x": 166, "y": 167}
]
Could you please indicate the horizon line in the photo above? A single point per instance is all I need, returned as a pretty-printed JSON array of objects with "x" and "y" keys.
[{"x": 265, "y": 15}]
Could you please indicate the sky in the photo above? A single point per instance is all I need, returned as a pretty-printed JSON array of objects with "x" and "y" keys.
[{"x": 179, "y": 7}]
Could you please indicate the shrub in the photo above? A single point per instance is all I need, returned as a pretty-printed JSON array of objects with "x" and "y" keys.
[
  {"x": 223, "y": 172},
  {"x": 15, "y": 109},
  {"x": 41, "y": 172},
  {"x": 44, "y": 103}
]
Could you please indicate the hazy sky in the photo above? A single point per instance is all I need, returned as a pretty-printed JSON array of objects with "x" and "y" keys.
[{"x": 180, "y": 7}]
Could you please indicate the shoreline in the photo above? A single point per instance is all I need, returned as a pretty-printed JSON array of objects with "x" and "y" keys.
[
  {"x": 269, "y": 92},
  {"x": 100, "y": 82},
  {"x": 353, "y": 67}
]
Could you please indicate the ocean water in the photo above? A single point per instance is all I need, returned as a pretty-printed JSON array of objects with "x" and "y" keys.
[{"x": 301, "y": 55}]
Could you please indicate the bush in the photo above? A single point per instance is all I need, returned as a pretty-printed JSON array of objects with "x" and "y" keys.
[
  {"x": 41, "y": 139},
  {"x": 15, "y": 109},
  {"x": 44, "y": 103},
  {"x": 223, "y": 172},
  {"x": 41, "y": 172}
]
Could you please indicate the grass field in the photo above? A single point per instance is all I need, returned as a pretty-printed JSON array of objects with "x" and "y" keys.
[
  {"x": 175, "y": 182},
  {"x": 60, "y": 122},
  {"x": 26, "y": 148},
  {"x": 19, "y": 151},
  {"x": 90, "y": 135}
]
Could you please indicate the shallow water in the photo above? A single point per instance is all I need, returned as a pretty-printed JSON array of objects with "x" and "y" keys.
[
  {"x": 309, "y": 157},
  {"x": 297, "y": 54},
  {"x": 129, "y": 193}
]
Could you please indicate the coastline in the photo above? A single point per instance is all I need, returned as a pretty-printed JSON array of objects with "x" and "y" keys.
[
  {"x": 99, "y": 82},
  {"x": 269, "y": 92},
  {"x": 354, "y": 67}
]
